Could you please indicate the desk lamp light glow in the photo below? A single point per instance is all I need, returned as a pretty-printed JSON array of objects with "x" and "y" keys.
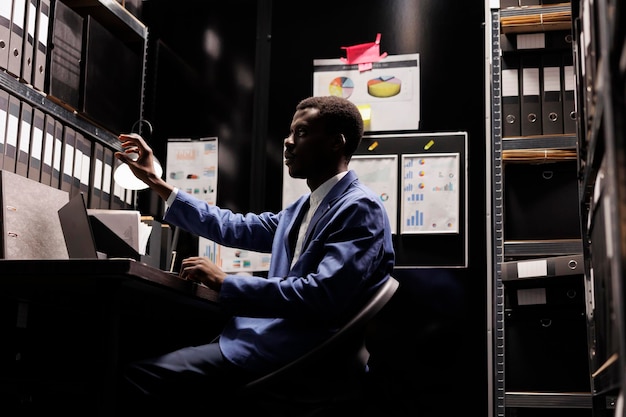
[{"x": 123, "y": 175}]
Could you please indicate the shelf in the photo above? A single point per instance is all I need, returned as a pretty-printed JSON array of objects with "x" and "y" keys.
[
  {"x": 542, "y": 248},
  {"x": 536, "y": 18},
  {"x": 539, "y": 142},
  {"x": 548, "y": 399},
  {"x": 112, "y": 15},
  {"x": 40, "y": 101}
]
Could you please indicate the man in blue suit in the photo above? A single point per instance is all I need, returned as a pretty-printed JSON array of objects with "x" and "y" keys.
[{"x": 331, "y": 250}]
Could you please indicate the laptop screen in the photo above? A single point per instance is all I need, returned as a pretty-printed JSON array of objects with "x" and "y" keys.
[{"x": 77, "y": 229}]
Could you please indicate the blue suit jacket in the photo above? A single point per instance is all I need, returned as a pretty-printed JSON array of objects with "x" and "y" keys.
[{"x": 347, "y": 254}]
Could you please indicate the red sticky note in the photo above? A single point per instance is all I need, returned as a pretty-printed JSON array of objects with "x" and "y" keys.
[{"x": 363, "y": 54}]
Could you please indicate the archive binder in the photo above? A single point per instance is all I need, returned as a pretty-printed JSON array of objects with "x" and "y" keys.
[
  {"x": 48, "y": 150},
  {"x": 85, "y": 147},
  {"x": 67, "y": 162},
  {"x": 97, "y": 167},
  {"x": 41, "y": 44},
  {"x": 5, "y": 32},
  {"x": 31, "y": 230},
  {"x": 111, "y": 89},
  {"x": 509, "y": 3},
  {"x": 36, "y": 145},
  {"x": 4, "y": 111},
  {"x": 551, "y": 99},
  {"x": 530, "y": 102},
  {"x": 12, "y": 127},
  {"x": 65, "y": 56},
  {"x": 28, "y": 51},
  {"x": 510, "y": 97},
  {"x": 569, "y": 103},
  {"x": 55, "y": 181},
  {"x": 107, "y": 178},
  {"x": 16, "y": 42},
  {"x": 23, "y": 153}
]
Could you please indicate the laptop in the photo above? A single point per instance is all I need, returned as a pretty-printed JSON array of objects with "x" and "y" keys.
[
  {"x": 86, "y": 237},
  {"x": 77, "y": 231}
]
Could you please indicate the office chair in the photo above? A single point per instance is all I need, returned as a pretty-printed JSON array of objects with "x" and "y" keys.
[{"x": 328, "y": 380}]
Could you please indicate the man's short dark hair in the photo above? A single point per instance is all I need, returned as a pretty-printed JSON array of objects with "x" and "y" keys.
[{"x": 339, "y": 115}]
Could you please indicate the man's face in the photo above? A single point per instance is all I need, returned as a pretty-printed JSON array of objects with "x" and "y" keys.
[{"x": 308, "y": 150}]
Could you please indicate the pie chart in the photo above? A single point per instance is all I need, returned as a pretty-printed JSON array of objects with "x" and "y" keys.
[
  {"x": 341, "y": 87},
  {"x": 384, "y": 86}
]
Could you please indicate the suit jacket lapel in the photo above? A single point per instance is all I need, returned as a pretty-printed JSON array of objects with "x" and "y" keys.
[{"x": 337, "y": 191}]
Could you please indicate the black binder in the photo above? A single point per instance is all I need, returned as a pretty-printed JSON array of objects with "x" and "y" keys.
[
  {"x": 570, "y": 116},
  {"x": 551, "y": 98},
  {"x": 531, "y": 100},
  {"x": 65, "y": 56},
  {"x": 510, "y": 96},
  {"x": 112, "y": 87}
]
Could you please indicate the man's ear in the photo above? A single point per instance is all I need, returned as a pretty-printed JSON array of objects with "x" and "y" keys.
[{"x": 339, "y": 141}]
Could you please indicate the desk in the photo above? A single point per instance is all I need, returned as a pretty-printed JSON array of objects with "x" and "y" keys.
[{"x": 72, "y": 324}]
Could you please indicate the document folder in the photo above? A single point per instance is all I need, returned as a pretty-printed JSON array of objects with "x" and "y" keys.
[
  {"x": 12, "y": 128},
  {"x": 551, "y": 98},
  {"x": 510, "y": 97},
  {"x": 65, "y": 56},
  {"x": 95, "y": 185},
  {"x": 29, "y": 222},
  {"x": 28, "y": 51},
  {"x": 55, "y": 181},
  {"x": 5, "y": 32},
  {"x": 36, "y": 145},
  {"x": 531, "y": 103},
  {"x": 25, "y": 129},
  {"x": 48, "y": 150},
  {"x": 16, "y": 42},
  {"x": 570, "y": 116},
  {"x": 69, "y": 146},
  {"x": 84, "y": 145},
  {"x": 4, "y": 113},
  {"x": 107, "y": 178},
  {"x": 41, "y": 45}
]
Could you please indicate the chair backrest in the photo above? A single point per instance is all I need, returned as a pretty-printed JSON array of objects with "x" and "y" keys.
[{"x": 352, "y": 333}]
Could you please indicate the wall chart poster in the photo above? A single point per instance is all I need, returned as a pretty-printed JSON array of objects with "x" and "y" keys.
[
  {"x": 192, "y": 166},
  {"x": 388, "y": 95},
  {"x": 378, "y": 172},
  {"x": 430, "y": 193}
]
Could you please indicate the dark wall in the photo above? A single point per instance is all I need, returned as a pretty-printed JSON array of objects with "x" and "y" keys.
[{"x": 429, "y": 358}]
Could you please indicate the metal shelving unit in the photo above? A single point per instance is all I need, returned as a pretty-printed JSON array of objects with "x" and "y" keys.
[
  {"x": 600, "y": 52},
  {"x": 509, "y": 253}
]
